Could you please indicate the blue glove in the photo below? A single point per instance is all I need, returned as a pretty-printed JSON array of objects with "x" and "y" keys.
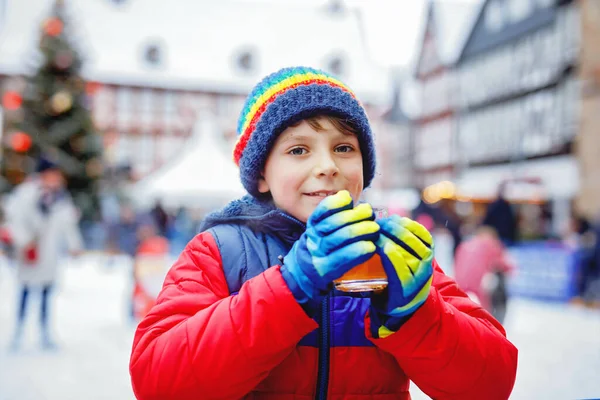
[
  {"x": 406, "y": 251},
  {"x": 338, "y": 237}
]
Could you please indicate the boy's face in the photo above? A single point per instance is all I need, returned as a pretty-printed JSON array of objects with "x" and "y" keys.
[{"x": 304, "y": 166}]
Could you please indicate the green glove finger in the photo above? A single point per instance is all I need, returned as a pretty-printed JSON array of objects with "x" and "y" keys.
[
  {"x": 365, "y": 230},
  {"x": 417, "y": 229},
  {"x": 405, "y": 238},
  {"x": 398, "y": 262},
  {"x": 331, "y": 205},
  {"x": 361, "y": 212},
  {"x": 418, "y": 299}
]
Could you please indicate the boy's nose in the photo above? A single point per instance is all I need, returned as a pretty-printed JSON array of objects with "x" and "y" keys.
[{"x": 326, "y": 166}]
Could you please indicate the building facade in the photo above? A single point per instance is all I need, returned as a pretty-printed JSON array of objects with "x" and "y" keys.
[
  {"x": 587, "y": 146},
  {"x": 157, "y": 66},
  {"x": 445, "y": 29},
  {"x": 519, "y": 103}
]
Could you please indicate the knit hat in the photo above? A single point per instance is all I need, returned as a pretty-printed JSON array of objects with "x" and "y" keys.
[
  {"x": 284, "y": 98},
  {"x": 44, "y": 163}
]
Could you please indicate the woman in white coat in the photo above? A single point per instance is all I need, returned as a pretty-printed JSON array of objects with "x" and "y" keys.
[{"x": 43, "y": 222}]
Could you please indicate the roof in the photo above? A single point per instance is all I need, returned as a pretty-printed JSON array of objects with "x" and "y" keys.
[
  {"x": 481, "y": 39},
  {"x": 452, "y": 21},
  {"x": 396, "y": 112},
  {"x": 201, "y": 42}
]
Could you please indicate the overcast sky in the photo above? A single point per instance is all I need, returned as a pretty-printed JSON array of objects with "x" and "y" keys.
[{"x": 392, "y": 26}]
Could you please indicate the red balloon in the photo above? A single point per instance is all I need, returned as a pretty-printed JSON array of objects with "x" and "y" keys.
[
  {"x": 20, "y": 142},
  {"x": 12, "y": 100}
]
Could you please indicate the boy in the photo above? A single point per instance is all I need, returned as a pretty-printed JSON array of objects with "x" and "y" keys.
[{"x": 248, "y": 312}]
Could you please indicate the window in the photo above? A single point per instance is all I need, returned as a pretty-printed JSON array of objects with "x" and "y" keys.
[
  {"x": 124, "y": 107},
  {"x": 519, "y": 10},
  {"x": 336, "y": 66},
  {"x": 245, "y": 60},
  {"x": 143, "y": 153},
  {"x": 494, "y": 16},
  {"x": 570, "y": 101},
  {"x": 123, "y": 149},
  {"x": 545, "y": 3},
  {"x": 430, "y": 59},
  {"x": 568, "y": 25},
  {"x": 170, "y": 110},
  {"x": 153, "y": 54},
  {"x": 103, "y": 107},
  {"x": 433, "y": 145},
  {"x": 146, "y": 107}
]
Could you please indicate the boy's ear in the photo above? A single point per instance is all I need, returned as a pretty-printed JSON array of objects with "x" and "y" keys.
[{"x": 263, "y": 186}]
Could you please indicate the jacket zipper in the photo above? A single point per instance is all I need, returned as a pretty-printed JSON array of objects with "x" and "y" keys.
[
  {"x": 324, "y": 344},
  {"x": 324, "y": 339}
]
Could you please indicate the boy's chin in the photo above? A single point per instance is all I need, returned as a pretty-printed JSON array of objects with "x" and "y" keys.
[{"x": 303, "y": 212}]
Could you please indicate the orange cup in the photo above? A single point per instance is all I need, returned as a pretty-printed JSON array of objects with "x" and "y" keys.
[{"x": 366, "y": 277}]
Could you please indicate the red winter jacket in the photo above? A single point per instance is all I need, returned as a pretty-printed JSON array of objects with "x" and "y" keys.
[{"x": 201, "y": 342}]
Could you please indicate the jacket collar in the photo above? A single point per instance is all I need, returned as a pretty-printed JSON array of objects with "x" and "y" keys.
[{"x": 260, "y": 216}]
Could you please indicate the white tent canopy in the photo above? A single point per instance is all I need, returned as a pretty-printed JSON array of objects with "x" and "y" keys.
[{"x": 201, "y": 176}]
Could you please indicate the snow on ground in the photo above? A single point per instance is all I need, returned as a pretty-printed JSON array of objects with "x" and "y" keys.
[{"x": 559, "y": 344}]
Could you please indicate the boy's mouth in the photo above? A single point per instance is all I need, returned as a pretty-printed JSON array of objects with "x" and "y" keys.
[{"x": 321, "y": 193}]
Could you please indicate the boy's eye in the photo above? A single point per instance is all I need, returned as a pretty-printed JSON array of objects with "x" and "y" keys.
[
  {"x": 344, "y": 148},
  {"x": 297, "y": 151}
]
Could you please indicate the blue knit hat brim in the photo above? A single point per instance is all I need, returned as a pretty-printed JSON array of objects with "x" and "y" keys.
[{"x": 297, "y": 104}]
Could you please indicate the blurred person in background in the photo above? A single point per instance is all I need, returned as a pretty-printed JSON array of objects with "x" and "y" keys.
[
  {"x": 441, "y": 216},
  {"x": 5, "y": 239},
  {"x": 582, "y": 238},
  {"x": 594, "y": 287},
  {"x": 124, "y": 239},
  {"x": 182, "y": 230},
  {"x": 444, "y": 243},
  {"x": 151, "y": 263},
  {"x": 481, "y": 267},
  {"x": 124, "y": 232},
  {"x": 42, "y": 221},
  {"x": 501, "y": 217},
  {"x": 161, "y": 218}
]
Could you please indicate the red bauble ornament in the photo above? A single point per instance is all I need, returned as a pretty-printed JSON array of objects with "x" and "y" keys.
[
  {"x": 92, "y": 87},
  {"x": 20, "y": 142},
  {"x": 53, "y": 26},
  {"x": 12, "y": 100}
]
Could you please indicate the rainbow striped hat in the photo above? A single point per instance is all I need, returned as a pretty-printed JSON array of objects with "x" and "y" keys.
[{"x": 284, "y": 98}]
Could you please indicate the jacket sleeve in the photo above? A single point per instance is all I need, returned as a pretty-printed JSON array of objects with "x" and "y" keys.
[
  {"x": 19, "y": 216},
  {"x": 451, "y": 348},
  {"x": 200, "y": 342}
]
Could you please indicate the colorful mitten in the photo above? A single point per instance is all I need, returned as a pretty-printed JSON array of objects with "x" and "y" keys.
[
  {"x": 338, "y": 237},
  {"x": 406, "y": 251}
]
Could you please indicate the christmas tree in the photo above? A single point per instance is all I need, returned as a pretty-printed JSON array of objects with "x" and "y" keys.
[{"x": 52, "y": 119}]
